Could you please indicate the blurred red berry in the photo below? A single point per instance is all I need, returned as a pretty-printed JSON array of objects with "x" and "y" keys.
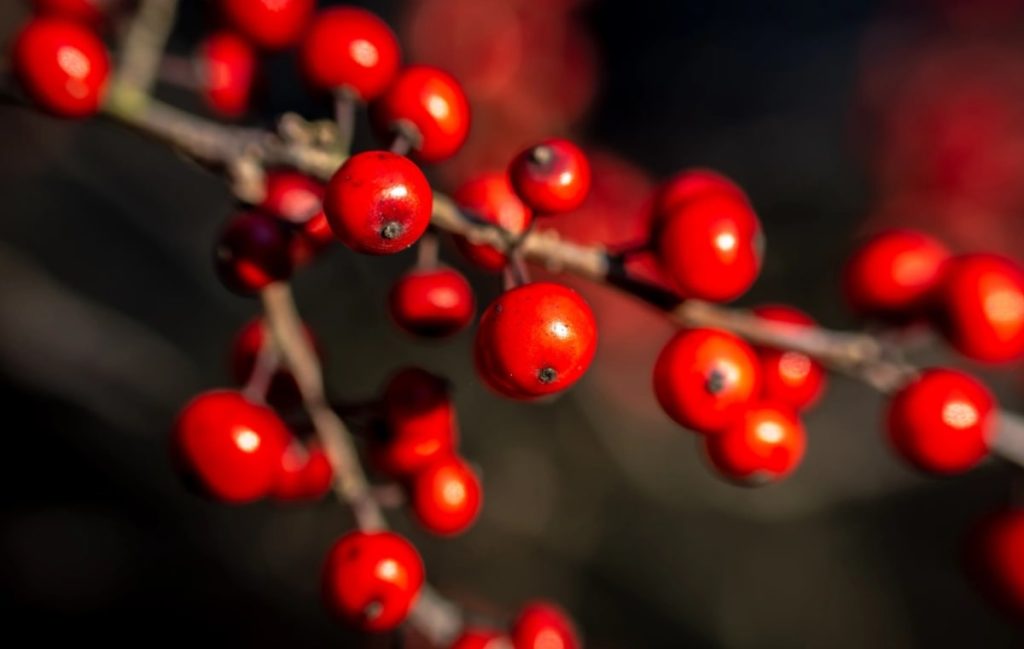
[
  {"x": 711, "y": 247},
  {"x": 62, "y": 66},
  {"x": 704, "y": 378},
  {"x": 693, "y": 184},
  {"x": 282, "y": 391},
  {"x": 490, "y": 198},
  {"x": 980, "y": 307},
  {"x": 432, "y": 104},
  {"x": 420, "y": 423},
  {"x": 474, "y": 638},
  {"x": 996, "y": 558},
  {"x": 270, "y": 24},
  {"x": 378, "y": 203},
  {"x": 432, "y": 303},
  {"x": 254, "y": 250},
  {"x": 535, "y": 340},
  {"x": 764, "y": 444},
  {"x": 551, "y": 177},
  {"x": 89, "y": 12},
  {"x": 298, "y": 199},
  {"x": 305, "y": 473},
  {"x": 230, "y": 445},
  {"x": 893, "y": 274},
  {"x": 446, "y": 496},
  {"x": 350, "y": 49},
  {"x": 228, "y": 66},
  {"x": 787, "y": 376},
  {"x": 372, "y": 579},
  {"x": 942, "y": 422},
  {"x": 542, "y": 625}
]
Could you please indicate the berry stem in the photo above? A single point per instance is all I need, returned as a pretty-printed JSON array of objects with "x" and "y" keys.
[
  {"x": 401, "y": 144},
  {"x": 427, "y": 251},
  {"x": 345, "y": 118},
  {"x": 267, "y": 361},
  {"x": 142, "y": 50}
]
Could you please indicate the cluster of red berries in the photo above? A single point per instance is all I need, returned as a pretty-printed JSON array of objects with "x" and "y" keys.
[{"x": 539, "y": 625}]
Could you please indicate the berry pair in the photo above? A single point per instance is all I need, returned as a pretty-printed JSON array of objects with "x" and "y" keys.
[{"x": 539, "y": 625}]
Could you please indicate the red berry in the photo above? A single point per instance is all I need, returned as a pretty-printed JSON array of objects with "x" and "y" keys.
[
  {"x": 541, "y": 625},
  {"x": 432, "y": 303},
  {"x": 352, "y": 49},
  {"x": 711, "y": 247},
  {"x": 942, "y": 421},
  {"x": 282, "y": 392},
  {"x": 996, "y": 555},
  {"x": 372, "y": 579},
  {"x": 270, "y": 24},
  {"x": 298, "y": 199},
  {"x": 90, "y": 12},
  {"x": 231, "y": 445},
  {"x": 763, "y": 444},
  {"x": 535, "y": 340},
  {"x": 552, "y": 177},
  {"x": 893, "y": 274},
  {"x": 420, "y": 423},
  {"x": 62, "y": 65},
  {"x": 693, "y": 184},
  {"x": 446, "y": 496},
  {"x": 490, "y": 198},
  {"x": 378, "y": 203},
  {"x": 481, "y": 639},
  {"x": 304, "y": 473},
  {"x": 981, "y": 307},
  {"x": 432, "y": 104},
  {"x": 254, "y": 251},
  {"x": 788, "y": 376},
  {"x": 227, "y": 67},
  {"x": 704, "y": 378}
]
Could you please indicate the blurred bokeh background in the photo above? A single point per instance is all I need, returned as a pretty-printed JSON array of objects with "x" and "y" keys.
[{"x": 837, "y": 117}]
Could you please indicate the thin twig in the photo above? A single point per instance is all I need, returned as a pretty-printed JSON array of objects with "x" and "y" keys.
[
  {"x": 143, "y": 49},
  {"x": 263, "y": 369}
]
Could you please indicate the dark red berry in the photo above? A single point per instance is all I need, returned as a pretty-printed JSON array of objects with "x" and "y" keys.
[
  {"x": 432, "y": 303},
  {"x": 428, "y": 105},
  {"x": 254, "y": 250},
  {"x": 552, "y": 177},
  {"x": 227, "y": 67},
  {"x": 690, "y": 185},
  {"x": 490, "y": 198},
  {"x": 270, "y": 24},
  {"x": 420, "y": 423},
  {"x": 541, "y": 625},
  {"x": 282, "y": 391},
  {"x": 475, "y": 638},
  {"x": 350, "y": 49},
  {"x": 996, "y": 557},
  {"x": 305, "y": 473},
  {"x": 88, "y": 12}
]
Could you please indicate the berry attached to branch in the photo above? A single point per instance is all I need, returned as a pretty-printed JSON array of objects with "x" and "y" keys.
[
  {"x": 350, "y": 50},
  {"x": 551, "y": 177},
  {"x": 432, "y": 303}
]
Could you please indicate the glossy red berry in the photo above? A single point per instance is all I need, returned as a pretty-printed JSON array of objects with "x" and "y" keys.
[
  {"x": 711, "y": 247},
  {"x": 62, "y": 66},
  {"x": 378, "y": 203},
  {"x": 996, "y": 555},
  {"x": 298, "y": 199},
  {"x": 304, "y": 473},
  {"x": 690, "y": 185},
  {"x": 227, "y": 66},
  {"x": 893, "y": 274},
  {"x": 351, "y": 49},
  {"x": 89, "y": 12},
  {"x": 282, "y": 391},
  {"x": 254, "y": 250},
  {"x": 942, "y": 422},
  {"x": 764, "y": 444},
  {"x": 787, "y": 376},
  {"x": 490, "y": 199},
  {"x": 551, "y": 177},
  {"x": 981, "y": 307},
  {"x": 535, "y": 340},
  {"x": 420, "y": 423},
  {"x": 372, "y": 579},
  {"x": 230, "y": 445},
  {"x": 704, "y": 378},
  {"x": 446, "y": 496},
  {"x": 482, "y": 639},
  {"x": 432, "y": 303},
  {"x": 542, "y": 625},
  {"x": 428, "y": 105},
  {"x": 270, "y": 24}
]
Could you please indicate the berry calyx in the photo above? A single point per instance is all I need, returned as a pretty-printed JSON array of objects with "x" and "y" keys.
[
  {"x": 997, "y": 562},
  {"x": 352, "y": 50},
  {"x": 420, "y": 423},
  {"x": 893, "y": 274},
  {"x": 446, "y": 496},
  {"x": 711, "y": 247},
  {"x": 230, "y": 445},
  {"x": 227, "y": 67},
  {"x": 305, "y": 473},
  {"x": 981, "y": 307},
  {"x": 481, "y": 639},
  {"x": 490, "y": 198},
  {"x": 762, "y": 445},
  {"x": 378, "y": 203},
  {"x": 372, "y": 579},
  {"x": 787, "y": 376},
  {"x": 432, "y": 303},
  {"x": 540, "y": 625},
  {"x": 269, "y": 24},
  {"x": 254, "y": 250},
  {"x": 552, "y": 177},
  {"x": 942, "y": 422},
  {"x": 693, "y": 184},
  {"x": 535, "y": 340},
  {"x": 282, "y": 391},
  {"x": 704, "y": 378},
  {"x": 62, "y": 66},
  {"x": 428, "y": 106}
]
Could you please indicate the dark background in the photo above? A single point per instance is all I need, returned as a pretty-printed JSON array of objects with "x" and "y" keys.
[{"x": 112, "y": 318}]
